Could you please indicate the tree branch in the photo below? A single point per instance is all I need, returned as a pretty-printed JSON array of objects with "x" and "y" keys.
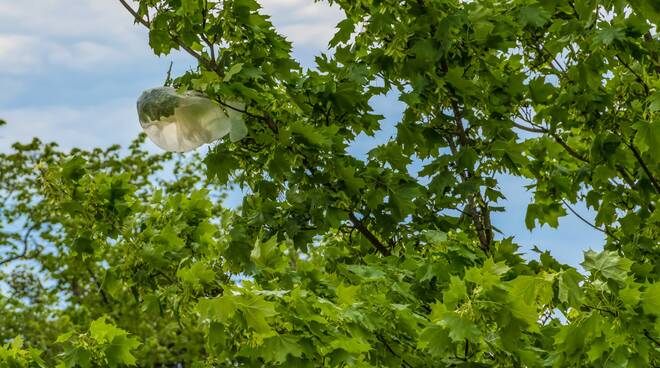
[
  {"x": 389, "y": 348},
  {"x": 529, "y": 129},
  {"x": 568, "y": 148},
  {"x": 209, "y": 64},
  {"x": 24, "y": 252},
  {"x": 98, "y": 285},
  {"x": 604, "y": 231},
  {"x": 359, "y": 225},
  {"x": 480, "y": 219},
  {"x": 639, "y": 159},
  {"x": 637, "y": 76},
  {"x": 648, "y": 335},
  {"x": 600, "y": 309},
  {"x": 202, "y": 34},
  {"x": 135, "y": 14},
  {"x": 555, "y": 136}
]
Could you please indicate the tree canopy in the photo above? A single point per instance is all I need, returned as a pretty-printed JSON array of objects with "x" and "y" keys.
[{"x": 118, "y": 257}]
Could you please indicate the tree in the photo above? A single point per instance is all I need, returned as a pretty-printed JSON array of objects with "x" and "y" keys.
[{"x": 333, "y": 260}]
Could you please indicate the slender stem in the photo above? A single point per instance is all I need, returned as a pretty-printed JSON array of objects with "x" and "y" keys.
[
  {"x": 556, "y": 137},
  {"x": 568, "y": 148},
  {"x": 648, "y": 335},
  {"x": 604, "y": 231},
  {"x": 600, "y": 309},
  {"x": 639, "y": 159},
  {"x": 359, "y": 225},
  {"x": 135, "y": 14},
  {"x": 209, "y": 64},
  {"x": 637, "y": 76},
  {"x": 99, "y": 286},
  {"x": 25, "y": 241},
  {"x": 202, "y": 34},
  {"x": 529, "y": 129},
  {"x": 484, "y": 231},
  {"x": 626, "y": 176}
]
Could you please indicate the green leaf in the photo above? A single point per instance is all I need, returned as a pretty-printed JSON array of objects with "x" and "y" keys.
[
  {"x": 435, "y": 339},
  {"x": 606, "y": 264},
  {"x": 533, "y": 15},
  {"x": 540, "y": 91},
  {"x": 459, "y": 327},
  {"x": 119, "y": 351},
  {"x": 456, "y": 292},
  {"x": 569, "y": 287},
  {"x": 104, "y": 332},
  {"x": 352, "y": 345},
  {"x": 344, "y": 30},
  {"x": 609, "y": 34},
  {"x": 545, "y": 213},
  {"x": 277, "y": 348},
  {"x": 197, "y": 274},
  {"x": 268, "y": 254},
  {"x": 317, "y": 136},
  {"x": 467, "y": 158},
  {"x": 235, "y": 69},
  {"x": 488, "y": 276},
  {"x": 368, "y": 273},
  {"x": 77, "y": 357},
  {"x": 221, "y": 164},
  {"x": 346, "y": 294},
  {"x": 653, "y": 100},
  {"x": 455, "y": 77},
  {"x": 651, "y": 299},
  {"x": 647, "y": 137},
  {"x": 630, "y": 295},
  {"x": 220, "y": 309},
  {"x": 256, "y": 310}
]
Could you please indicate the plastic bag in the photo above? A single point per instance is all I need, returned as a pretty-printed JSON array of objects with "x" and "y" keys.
[{"x": 181, "y": 122}]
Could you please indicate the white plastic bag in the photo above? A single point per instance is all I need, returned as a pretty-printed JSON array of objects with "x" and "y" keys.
[{"x": 181, "y": 122}]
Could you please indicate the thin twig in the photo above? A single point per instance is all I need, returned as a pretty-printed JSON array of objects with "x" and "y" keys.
[
  {"x": 637, "y": 76},
  {"x": 648, "y": 335},
  {"x": 389, "y": 348},
  {"x": 209, "y": 64},
  {"x": 556, "y": 137},
  {"x": 98, "y": 285},
  {"x": 205, "y": 13},
  {"x": 529, "y": 129},
  {"x": 604, "y": 231},
  {"x": 639, "y": 159},
  {"x": 600, "y": 309},
  {"x": 484, "y": 232},
  {"x": 568, "y": 148},
  {"x": 359, "y": 225},
  {"x": 25, "y": 240}
]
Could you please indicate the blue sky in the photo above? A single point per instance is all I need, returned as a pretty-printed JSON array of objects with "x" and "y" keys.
[{"x": 71, "y": 72}]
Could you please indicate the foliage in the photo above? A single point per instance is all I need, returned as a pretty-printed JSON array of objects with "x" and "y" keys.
[{"x": 333, "y": 260}]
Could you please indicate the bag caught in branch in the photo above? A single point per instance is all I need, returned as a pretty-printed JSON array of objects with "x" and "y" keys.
[{"x": 181, "y": 122}]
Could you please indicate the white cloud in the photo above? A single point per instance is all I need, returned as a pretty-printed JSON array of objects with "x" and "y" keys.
[
  {"x": 36, "y": 34},
  {"x": 28, "y": 54},
  {"x": 18, "y": 54},
  {"x": 86, "y": 127},
  {"x": 56, "y": 18},
  {"x": 43, "y": 38},
  {"x": 304, "y": 22},
  {"x": 85, "y": 55},
  {"x": 11, "y": 88}
]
